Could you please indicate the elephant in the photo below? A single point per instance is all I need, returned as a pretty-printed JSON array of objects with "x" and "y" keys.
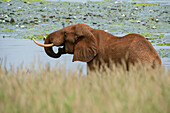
[{"x": 96, "y": 47}]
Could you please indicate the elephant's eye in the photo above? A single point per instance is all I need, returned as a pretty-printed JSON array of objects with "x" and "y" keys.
[{"x": 79, "y": 38}]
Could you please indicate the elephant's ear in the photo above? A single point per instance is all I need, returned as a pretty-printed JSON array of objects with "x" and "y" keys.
[{"x": 86, "y": 45}]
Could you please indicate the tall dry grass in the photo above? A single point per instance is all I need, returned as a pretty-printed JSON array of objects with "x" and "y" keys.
[{"x": 111, "y": 91}]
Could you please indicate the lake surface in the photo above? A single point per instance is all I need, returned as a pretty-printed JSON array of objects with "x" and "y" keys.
[
  {"x": 74, "y": 0},
  {"x": 17, "y": 52},
  {"x": 165, "y": 2}
]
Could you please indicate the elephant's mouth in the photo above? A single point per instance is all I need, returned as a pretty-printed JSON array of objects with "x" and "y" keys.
[
  {"x": 49, "y": 49},
  {"x": 52, "y": 53},
  {"x": 61, "y": 50}
]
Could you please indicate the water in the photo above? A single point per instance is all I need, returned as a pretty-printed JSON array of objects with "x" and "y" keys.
[
  {"x": 16, "y": 52},
  {"x": 74, "y": 0},
  {"x": 162, "y": 2}
]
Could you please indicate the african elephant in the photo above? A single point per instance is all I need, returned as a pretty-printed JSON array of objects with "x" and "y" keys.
[{"x": 96, "y": 46}]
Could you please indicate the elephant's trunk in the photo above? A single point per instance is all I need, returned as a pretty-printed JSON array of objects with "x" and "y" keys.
[
  {"x": 49, "y": 50},
  {"x": 53, "y": 40}
]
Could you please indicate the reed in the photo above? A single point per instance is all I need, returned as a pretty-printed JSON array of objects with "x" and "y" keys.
[{"x": 115, "y": 90}]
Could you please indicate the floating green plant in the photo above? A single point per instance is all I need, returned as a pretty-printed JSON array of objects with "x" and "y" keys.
[
  {"x": 95, "y": 2},
  {"x": 163, "y": 44},
  {"x": 7, "y": 30},
  {"x": 131, "y": 20},
  {"x": 166, "y": 5},
  {"x": 43, "y": 1},
  {"x": 152, "y": 41},
  {"x": 159, "y": 41},
  {"x": 127, "y": 31},
  {"x": 37, "y": 36},
  {"x": 26, "y": 27},
  {"x": 152, "y": 35},
  {"x": 145, "y": 4},
  {"x": 164, "y": 53},
  {"x": 6, "y": 0}
]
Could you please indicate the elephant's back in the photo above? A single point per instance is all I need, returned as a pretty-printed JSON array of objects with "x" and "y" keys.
[{"x": 142, "y": 50}]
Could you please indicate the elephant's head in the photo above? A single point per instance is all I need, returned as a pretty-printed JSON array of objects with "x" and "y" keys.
[{"x": 76, "y": 39}]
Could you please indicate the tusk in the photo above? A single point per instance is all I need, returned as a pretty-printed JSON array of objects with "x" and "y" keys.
[
  {"x": 43, "y": 45},
  {"x": 44, "y": 37}
]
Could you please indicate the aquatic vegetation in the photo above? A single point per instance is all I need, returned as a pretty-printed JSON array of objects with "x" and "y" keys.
[
  {"x": 27, "y": 27},
  {"x": 164, "y": 53},
  {"x": 166, "y": 5},
  {"x": 6, "y": 0},
  {"x": 43, "y": 1},
  {"x": 7, "y": 30},
  {"x": 152, "y": 41},
  {"x": 152, "y": 35},
  {"x": 102, "y": 15},
  {"x": 94, "y": 1},
  {"x": 126, "y": 31},
  {"x": 163, "y": 44},
  {"x": 37, "y": 36},
  {"x": 145, "y": 4}
]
